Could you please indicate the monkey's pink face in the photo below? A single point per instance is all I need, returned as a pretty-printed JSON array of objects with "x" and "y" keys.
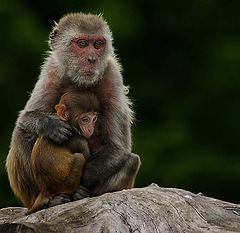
[
  {"x": 89, "y": 48},
  {"x": 87, "y": 123}
]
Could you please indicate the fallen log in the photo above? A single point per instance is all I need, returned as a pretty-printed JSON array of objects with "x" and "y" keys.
[{"x": 151, "y": 209}]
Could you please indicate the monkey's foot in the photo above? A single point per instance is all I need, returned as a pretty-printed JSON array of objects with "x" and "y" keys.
[
  {"x": 58, "y": 200},
  {"x": 80, "y": 193}
]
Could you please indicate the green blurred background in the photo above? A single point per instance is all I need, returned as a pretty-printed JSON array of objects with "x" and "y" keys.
[{"x": 182, "y": 61}]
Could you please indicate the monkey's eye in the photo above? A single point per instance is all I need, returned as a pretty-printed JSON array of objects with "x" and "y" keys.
[
  {"x": 82, "y": 43},
  {"x": 98, "y": 44},
  {"x": 84, "y": 119}
]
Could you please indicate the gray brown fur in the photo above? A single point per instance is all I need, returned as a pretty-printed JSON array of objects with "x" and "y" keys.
[{"x": 113, "y": 166}]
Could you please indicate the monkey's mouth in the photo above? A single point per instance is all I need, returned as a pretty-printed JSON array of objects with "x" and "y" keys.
[{"x": 89, "y": 73}]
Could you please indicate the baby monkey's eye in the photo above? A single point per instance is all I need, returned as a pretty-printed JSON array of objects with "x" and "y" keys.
[
  {"x": 82, "y": 43},
  {"x": 84, "y": 119}
]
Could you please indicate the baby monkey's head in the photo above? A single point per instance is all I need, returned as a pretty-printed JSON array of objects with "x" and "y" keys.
[{"x": 80, "y": 109}]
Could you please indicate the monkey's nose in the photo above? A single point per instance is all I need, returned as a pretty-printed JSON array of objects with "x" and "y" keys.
[{"x": 91, "y": 59}]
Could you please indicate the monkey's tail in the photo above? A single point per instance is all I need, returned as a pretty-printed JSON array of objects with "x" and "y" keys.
[{"x": 39, "y": 202}]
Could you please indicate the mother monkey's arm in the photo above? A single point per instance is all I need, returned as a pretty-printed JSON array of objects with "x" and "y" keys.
[{"x": 37, "y": 117}]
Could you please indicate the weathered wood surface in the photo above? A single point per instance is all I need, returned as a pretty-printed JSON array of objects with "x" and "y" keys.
[{"x": 151, "y": 209}]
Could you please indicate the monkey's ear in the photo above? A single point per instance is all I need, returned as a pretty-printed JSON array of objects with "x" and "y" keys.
[
  {"x": 53, "y": 36},
  {"x": 61, "y": 111}
]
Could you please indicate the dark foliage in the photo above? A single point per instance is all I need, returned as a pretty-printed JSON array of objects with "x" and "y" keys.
[{"x": 181, "y": 59}]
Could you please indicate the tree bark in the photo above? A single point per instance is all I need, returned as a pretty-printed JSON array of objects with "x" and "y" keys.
[{"x": 151, "y": 209}]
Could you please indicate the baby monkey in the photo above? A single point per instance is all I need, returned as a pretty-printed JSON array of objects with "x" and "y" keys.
[{"x": 57, "y": 168}]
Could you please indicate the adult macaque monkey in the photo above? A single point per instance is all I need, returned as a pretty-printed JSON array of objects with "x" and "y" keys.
[
  {"x": 57, "y": 168},
  {"x": 82, "y": 56}
]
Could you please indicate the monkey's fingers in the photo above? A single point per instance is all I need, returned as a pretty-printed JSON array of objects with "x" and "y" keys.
[
  {"x": 80, "y": 193},
  {"x": 58, "y": 200},
  {"x": 59, "y": 138},
  {"x": 61, "y": 132},
  {"x": 66, "y": 125},
  {"x": 65, "y": 132}
]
